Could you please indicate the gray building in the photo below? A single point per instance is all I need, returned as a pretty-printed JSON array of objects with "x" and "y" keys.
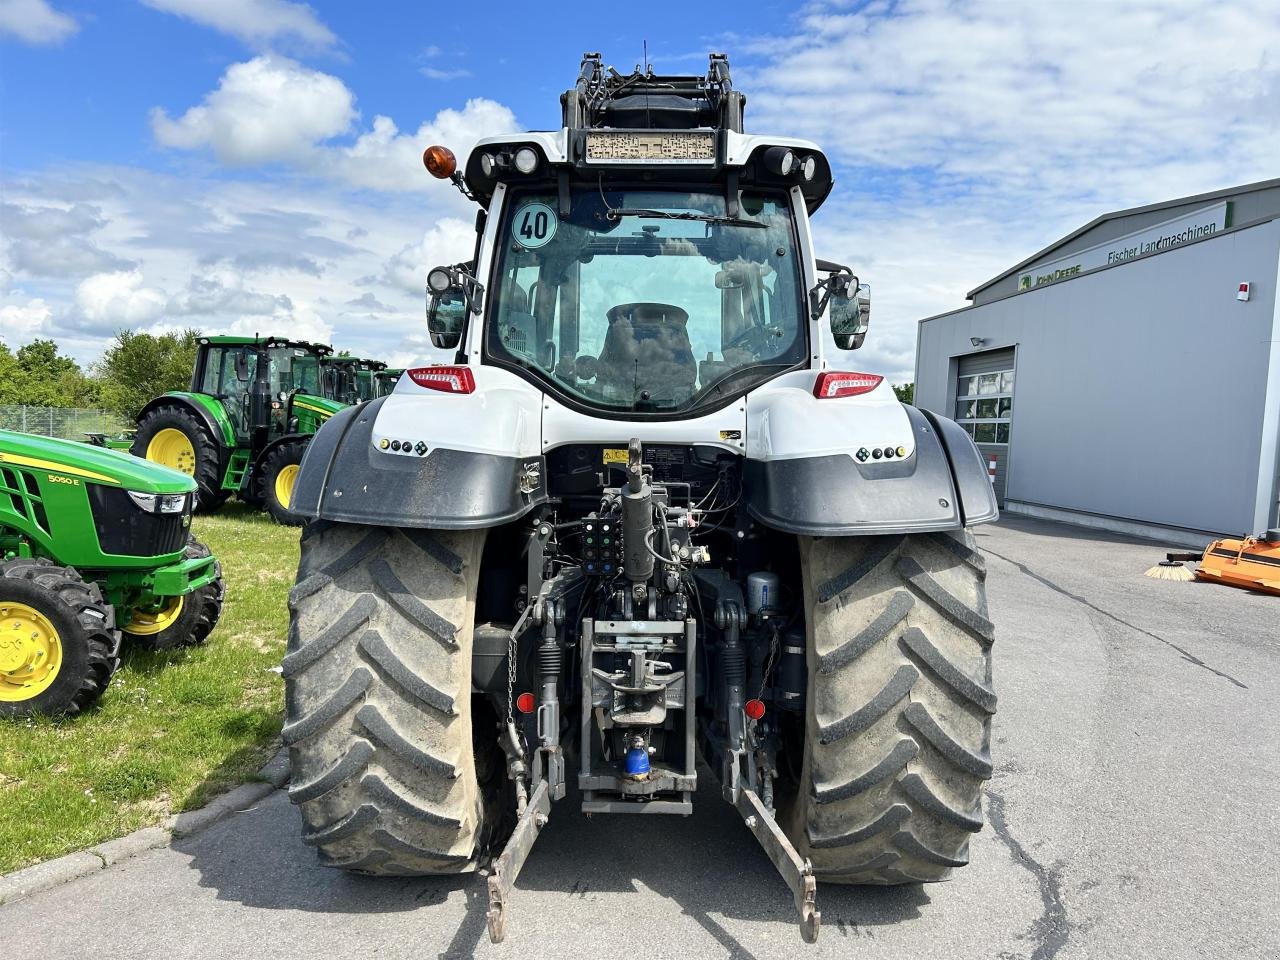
[{"x": 1128, "y": 375}]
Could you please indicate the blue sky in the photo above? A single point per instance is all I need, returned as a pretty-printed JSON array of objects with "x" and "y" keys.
[{"x": 251, "y": 165}]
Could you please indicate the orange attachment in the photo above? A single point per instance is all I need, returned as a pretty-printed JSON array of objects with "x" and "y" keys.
[
  {"x": 439, "y": 161},
  {"x": 1250, "y": 563}
]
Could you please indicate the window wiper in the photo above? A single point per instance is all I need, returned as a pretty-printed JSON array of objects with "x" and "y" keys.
[{"x": 646, "y": 214}]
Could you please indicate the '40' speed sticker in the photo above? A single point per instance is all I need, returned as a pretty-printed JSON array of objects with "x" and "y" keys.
[{"x": 534, "y": 225}]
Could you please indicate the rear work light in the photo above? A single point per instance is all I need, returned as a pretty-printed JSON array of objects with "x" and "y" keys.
[
  {"x": 832, "y": 384},
  {"x": 444, "y": 379}
]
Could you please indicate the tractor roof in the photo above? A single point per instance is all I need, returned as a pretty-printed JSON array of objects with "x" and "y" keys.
[
  {"x": 374, "y": 365},
  {"x": 323, "y": 349},
  {"x": 646, "y": 126}
]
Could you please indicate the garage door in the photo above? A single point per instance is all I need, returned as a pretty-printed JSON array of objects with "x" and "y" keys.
[{"x": 984, "y": 406}]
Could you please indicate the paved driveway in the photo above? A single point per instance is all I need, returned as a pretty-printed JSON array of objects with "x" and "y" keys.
[{"x": 1132, "y": 814}]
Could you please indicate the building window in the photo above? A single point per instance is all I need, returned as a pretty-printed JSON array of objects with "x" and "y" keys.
[{"x": 984, "y": 406}]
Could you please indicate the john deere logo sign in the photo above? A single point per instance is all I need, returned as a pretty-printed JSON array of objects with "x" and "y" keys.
[{"x": 1161, "y": 236}]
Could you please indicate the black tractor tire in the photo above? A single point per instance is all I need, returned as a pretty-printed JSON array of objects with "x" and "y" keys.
[
  {"x": 280, "y": 458},
  {"x": 207, "y": 471},
  {"x": 199, "y": 615},
  {"x": 900, "y": 701},
  {"x": 390, "y": 776},
  {"x": 86, "y": 633}
]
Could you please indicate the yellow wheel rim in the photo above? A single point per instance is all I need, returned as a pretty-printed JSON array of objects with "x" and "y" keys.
[
  {"x": 285, "y": 480},
  {"x": 171, "y": 448},
  {"x": 30, "y": 652},
  {"x": 148, "y": 622}
]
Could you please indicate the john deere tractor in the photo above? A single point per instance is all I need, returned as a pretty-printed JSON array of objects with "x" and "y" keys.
[
  {"x": 385, "y": 380},
  {"x": 352, "y": 380},
  {"x": 94, "y": 544},
  {"x": 647, "y": 512},
  {"x": 244, "y": 425}
]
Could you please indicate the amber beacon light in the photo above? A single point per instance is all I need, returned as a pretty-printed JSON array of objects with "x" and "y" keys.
[{"x": 439, "y": 161}]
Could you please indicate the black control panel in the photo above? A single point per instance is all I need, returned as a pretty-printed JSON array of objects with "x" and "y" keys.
[{"x": 601, "y": 546}]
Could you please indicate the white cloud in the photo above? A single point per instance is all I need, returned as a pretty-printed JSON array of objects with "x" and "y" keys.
[
  {"x": 120, "y": 299},
  {"x": 272, "y": 109},
  {"x": 20, "y": 322},
  {"x": 968, "y": 135},
  {"x": 266, "y": 110},
  {"x": 386, "y": 159},
  {"x": 446, "y": 241},
  {"x": 438, "y": 73},
  {"x": 233, "y": 256},
  {"x": 256, "y": 22},
  {"x": 34, "y": 21}
]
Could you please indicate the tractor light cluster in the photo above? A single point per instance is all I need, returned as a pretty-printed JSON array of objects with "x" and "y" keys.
[
  {"x": 784, "y": 162},
  {"x": 524, "y": 160},
  {"x": 159, "y": 502}
]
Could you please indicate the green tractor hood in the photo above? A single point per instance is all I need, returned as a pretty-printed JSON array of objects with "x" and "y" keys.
[{"x": 90, "y": 464}]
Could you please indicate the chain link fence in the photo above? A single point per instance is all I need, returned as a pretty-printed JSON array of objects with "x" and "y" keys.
[{"x": 68, "y": 423}]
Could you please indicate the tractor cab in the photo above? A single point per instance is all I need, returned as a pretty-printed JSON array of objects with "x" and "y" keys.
[
  {"x": 243, "y": 427},
  {"x": 385, "y": 380},
  {"x": 258, "y": 380},
  {"x": 352, "y": 380}
]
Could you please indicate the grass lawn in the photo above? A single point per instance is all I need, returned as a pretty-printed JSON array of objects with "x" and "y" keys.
[{"x": 174, "y": 728}]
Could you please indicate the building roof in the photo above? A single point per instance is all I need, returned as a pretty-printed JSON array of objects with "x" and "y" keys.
[{"x": 1116, "y": 215}]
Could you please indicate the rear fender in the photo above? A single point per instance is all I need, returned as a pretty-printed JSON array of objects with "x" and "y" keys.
[
  {"x": 804, "y": 475},
  {"x": 206, "y": 408},
  {"x": 460, "y": 462}
]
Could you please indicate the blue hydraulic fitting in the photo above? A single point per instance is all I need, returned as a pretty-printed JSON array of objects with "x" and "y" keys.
[{"x": 636, "y": 764}]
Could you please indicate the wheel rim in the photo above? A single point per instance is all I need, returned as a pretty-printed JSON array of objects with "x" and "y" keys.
[
  {"x": 144, "y": 623},
  {"x": 172, "y": 448},
  {"x": 30, "y": 652},
  {"x": 285, "y": 480}
]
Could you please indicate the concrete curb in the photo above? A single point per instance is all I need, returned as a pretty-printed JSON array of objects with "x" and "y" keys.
[{"x": 52, "y": 873}]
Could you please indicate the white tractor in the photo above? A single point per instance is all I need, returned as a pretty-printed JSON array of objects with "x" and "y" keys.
[{"x": 648, "y": 513}]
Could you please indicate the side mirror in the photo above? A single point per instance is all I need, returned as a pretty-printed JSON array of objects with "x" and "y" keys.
[
  {"x": 242, "y": 366},
  {"x": 454, "y": 292},
  {"x": 446, "y": 317},
  {"x": 851, "y": 317}
]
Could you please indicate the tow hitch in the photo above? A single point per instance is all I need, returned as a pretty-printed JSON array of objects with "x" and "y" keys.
[
  {"x": 507, "y": 867},
  {"x": 797, "y": 872}
]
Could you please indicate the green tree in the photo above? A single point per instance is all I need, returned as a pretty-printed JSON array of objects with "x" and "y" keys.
[
  {"x": 138, "y": 367},
  {"x": 40, "y": 376},
  {"x": 906, "y": 392},
  {"x": 11, "y": 376}
]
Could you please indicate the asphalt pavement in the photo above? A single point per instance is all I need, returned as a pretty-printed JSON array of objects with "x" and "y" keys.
[{"x": 1132, "y": 814}]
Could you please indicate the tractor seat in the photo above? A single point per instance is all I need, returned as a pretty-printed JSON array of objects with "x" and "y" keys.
[{"x": 651, "y": 337}]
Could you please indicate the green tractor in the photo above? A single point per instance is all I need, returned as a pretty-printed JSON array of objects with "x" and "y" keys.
[
  {"x": 244, "y": 425},
  {"x": 93, "y": 544},
  {"x": 352, "y": 380},
  {"x": 385, "y": 380}
]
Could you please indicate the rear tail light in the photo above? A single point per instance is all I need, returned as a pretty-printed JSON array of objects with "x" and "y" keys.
[
  {"x": 444, "y": 379},
  {"x": 833, "y": 384}
]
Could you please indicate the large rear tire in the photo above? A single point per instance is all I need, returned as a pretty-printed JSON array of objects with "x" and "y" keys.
[
  {"x": 58, "y": 640},
  {"x": 378, "y": 704},
  {"x": 900, "y": 704},
  {"x": 173, "y": 436}
]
